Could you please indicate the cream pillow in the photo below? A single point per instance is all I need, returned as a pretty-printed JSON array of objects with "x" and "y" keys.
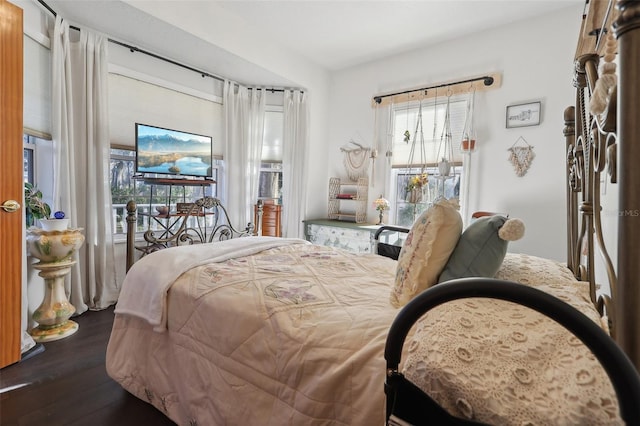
[{"x": 424, "y": 254}]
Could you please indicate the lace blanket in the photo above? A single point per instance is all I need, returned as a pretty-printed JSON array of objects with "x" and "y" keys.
[{"x": 503, "y": 364}]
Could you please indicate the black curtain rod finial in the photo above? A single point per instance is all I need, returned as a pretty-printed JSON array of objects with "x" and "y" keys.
[
  {"x": 488, "y": 81},
  {"x": 378, "y": 99}
]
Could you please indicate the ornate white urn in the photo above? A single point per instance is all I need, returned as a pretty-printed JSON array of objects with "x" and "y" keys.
[{"x": 54, "y": 249}]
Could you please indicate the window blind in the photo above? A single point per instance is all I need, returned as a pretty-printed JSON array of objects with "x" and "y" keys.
[
  {"x": 37, "y": 88},
  {"x": 273, "y": 134},
  {"x": 405, "y": 117},
  {"x": 132, "y": 100}
]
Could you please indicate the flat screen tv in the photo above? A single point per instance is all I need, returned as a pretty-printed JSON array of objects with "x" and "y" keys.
[{"x": 172, "y": 152}]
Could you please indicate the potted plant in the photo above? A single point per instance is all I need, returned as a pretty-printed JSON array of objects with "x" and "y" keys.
[
  {"x": 414, "y": 189},
  {"x": 35, "y": 207}
]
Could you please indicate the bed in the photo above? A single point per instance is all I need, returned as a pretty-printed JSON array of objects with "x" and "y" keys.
[{"x": 272, "y": 331}]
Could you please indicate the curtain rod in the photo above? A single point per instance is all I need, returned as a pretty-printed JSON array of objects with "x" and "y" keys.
[
  {"x": 489, "y": 81},
  {"x": 133, "y": 49},
  {"x": 137, "y": 49}
]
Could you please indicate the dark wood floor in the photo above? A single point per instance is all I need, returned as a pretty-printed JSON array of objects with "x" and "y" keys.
[{"x": 67, "y": 384}]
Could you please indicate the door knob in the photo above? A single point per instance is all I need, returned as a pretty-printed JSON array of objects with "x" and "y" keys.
[{"x": 11, "y": 206}]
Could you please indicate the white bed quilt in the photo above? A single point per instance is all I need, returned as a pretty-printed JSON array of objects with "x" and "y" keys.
[
  {"x": 295, "y": 335},
  {"x": 292, "y": 335}
]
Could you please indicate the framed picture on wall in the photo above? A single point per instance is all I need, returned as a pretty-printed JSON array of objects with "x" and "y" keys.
[{"x": 523, "y": 115}]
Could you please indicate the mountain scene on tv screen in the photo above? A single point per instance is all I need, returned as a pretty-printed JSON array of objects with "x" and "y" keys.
[{"x": 168, "y": 154}]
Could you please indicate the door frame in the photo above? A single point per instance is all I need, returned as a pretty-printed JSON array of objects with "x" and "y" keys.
[{"x": 11, "y": 184}]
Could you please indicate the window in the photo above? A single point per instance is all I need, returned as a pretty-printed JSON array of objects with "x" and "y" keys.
[
  {"x": 37, "y": 163},
  {"x": 28, "y": 160},
  {"x": 405, "y": 211},
  {"x": 270, "y": 185},
  {"x": 407, "y": 164},
  {"x": 37, "y": 166},
  {"x": 124, "y": 188}
]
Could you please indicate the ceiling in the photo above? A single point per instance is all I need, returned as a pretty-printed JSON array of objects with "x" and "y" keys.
[{"x": 332, "y": 34}]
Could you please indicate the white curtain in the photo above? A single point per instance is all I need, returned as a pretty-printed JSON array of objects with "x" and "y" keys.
[
  {"x": 294, "y": 163},
  {"x": 244, "y": 111},
  {"x": 81, "y": 150}
]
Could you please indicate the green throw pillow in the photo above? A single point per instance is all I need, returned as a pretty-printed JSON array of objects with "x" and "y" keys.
[{"x": 482, "y": 248}]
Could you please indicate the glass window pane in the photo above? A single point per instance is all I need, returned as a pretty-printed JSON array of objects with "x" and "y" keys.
[
  {"x": 408, "y": 206},
  {"x": 28, "y": 165},
  {"x": 125, "y": 188},
  {"x": 270, "y": 184}
]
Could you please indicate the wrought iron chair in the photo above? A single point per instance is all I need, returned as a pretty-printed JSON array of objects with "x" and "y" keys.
[
  {"x": 387, "y": 249},
  {"x": 392, "y": 250}
]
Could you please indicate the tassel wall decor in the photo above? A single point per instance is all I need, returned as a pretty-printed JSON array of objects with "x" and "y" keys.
[{"x": 521, "y": 156}]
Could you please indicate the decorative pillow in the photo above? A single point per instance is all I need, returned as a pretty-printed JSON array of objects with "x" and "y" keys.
[
  {"x": 424, "y": 254},
  {"x": 482, "y": 248},
  {"x": 533, "y": 270}
]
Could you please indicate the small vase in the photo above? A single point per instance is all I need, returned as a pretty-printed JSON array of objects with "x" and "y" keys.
[
  {"x": 414, "y": 195},
  {"x": 380, "y": 215}
]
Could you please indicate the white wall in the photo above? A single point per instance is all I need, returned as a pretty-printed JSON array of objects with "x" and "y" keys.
[
  {"x": 535, "y": 60},
  {"x": 231, "y": 33}
]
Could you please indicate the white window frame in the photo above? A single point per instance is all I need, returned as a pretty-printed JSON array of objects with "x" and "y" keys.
[
  {"x": 399, "y": 167},
  {"x": 41, "y": 146},
  {"x": 271, "y": 155},
  {"x": 29, "y": 168},
  {"x": 142, "y": 201}
]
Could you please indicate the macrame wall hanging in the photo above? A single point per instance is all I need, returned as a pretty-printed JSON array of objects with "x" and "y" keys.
[
  {"x": 374, "y": 150},
  {"x": 356, "y": 160},
  {"x": 445, "y": 148},
  {"x": 416, "y": 188},
  {"x": 446, "y": 170},
  {"x": 521, "y": 155},
  {"x": 468, "y": 142}
]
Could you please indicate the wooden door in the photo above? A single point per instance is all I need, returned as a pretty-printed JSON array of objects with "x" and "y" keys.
[{"x": 11, "y": 181}]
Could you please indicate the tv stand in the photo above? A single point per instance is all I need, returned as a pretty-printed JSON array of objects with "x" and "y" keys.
[
  {"x": 175, "y": 181},
  {"x": 177, "y": 203}
]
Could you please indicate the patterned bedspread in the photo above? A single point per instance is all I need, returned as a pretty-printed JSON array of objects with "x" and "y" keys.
[
  {"x": 295, "y": 335},
  {"x": 292, "y": 335}
]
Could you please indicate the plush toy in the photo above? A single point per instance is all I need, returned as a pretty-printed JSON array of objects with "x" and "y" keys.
[{"x": 482, "y": 248}]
